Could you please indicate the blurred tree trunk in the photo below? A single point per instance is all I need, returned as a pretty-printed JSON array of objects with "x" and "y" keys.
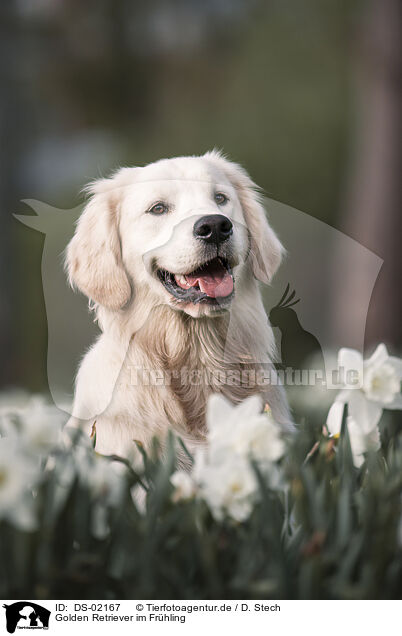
[
  {"x": 9, "y": 128},
  {"x": 373, "y": 210}
]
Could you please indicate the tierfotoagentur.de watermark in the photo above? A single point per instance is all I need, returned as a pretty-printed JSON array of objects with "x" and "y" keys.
[{"x": 260, "y": 377}]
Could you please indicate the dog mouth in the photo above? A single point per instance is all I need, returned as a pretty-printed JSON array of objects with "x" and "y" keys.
[{"x": 211, "y": 283}]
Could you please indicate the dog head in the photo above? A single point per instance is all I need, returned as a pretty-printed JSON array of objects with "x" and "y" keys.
[{"x": 183, "y": 229}]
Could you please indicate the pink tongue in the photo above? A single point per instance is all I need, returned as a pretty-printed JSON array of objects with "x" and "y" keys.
[{"x": 215, "y": 281}]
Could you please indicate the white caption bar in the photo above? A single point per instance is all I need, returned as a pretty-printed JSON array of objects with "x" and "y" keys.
[{"x": 165, "y": 617}]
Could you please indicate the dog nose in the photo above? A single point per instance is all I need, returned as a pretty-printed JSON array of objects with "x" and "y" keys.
[{"x": 214, "y": 228}]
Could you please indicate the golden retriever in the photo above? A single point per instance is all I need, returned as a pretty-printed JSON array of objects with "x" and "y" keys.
[{"x": 170, "y": 256}]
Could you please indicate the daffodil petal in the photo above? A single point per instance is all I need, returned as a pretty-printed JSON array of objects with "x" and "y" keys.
[
  {"x": 379, "y": 356},
  {"x": 366, "y": 413},
  {"x": 397, "y": 365},
  {"x": 219, "y": 409},
  {"x": 351, "y": 360},
  {"x": 250, "y": 406},
  {"x": 334, "y": 418}
]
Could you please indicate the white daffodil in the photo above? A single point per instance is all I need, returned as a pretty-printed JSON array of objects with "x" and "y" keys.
[
  {"x": 242, "y": 430},
  {"x": 382, "y": 375},
  {"x": 229, "y": 488},
  {"x": 378, "y": 384},
  {"x": 17, "y": 477},
  {"x": 103, "y": 479},
  {"x": 36, "y": 423},
  {"x": 361, "y": 439},
  {"x": 223, "y": 471},
  {"x": 184, "y": 486},
  {"x": 105, "y": 482},
  {"x": 41, "y": 427},
  {"x": 13, "y": 400}
]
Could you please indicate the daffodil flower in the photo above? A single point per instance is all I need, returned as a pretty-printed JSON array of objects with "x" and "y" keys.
[
  {"x": 17, "y": 477},
  {"x": 236, "y": 435},
  {"x": 377, "y": 387},
  {"x": 243, "y": 429},
  {"x": 361, "y": 439},
  {"x": 229, "y": 487},
  {"x": 184, "y": 486}
]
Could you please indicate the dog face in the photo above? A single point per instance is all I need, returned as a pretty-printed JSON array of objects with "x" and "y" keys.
[
  {"x": 184, "y": 234},
  {"x": 183, "y": 229}
]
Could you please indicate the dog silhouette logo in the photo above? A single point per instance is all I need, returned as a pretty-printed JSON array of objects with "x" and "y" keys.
[{"x": 26, "y": 615}]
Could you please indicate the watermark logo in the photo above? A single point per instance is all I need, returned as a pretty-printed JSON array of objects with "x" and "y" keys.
[
  {"x": 26, "y": 615},
  {"x": 309, "y": 324}
]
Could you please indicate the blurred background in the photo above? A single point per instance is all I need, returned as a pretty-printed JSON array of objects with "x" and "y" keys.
[{"x": 306, "y": 94}]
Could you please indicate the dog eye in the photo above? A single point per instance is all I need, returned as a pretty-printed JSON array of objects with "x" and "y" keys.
[
  {"x": 221, "y": 198},
  {"x": 158, "y": 208}
]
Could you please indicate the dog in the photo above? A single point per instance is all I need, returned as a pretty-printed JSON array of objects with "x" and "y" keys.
[{"x": 170, "y": 256}]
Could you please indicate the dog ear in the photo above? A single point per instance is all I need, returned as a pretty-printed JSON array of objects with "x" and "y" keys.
[
  {"x": 266, "y": 250},
  {"x": 93, "y": 256}
]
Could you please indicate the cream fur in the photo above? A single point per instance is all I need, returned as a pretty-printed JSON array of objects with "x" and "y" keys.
[{"x": 112, "y": 259}]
